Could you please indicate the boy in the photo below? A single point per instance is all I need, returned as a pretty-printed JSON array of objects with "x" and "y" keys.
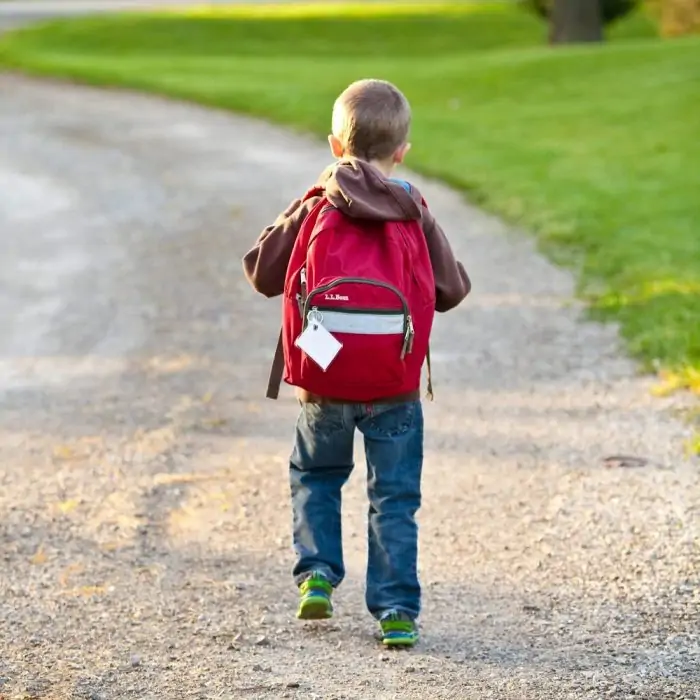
[{"x": 371, "y": 120}]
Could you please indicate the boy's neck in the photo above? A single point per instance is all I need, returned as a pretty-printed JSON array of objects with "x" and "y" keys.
[{"x": 386, "y": 169}]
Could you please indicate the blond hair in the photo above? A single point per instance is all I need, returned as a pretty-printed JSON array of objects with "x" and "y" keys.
[{"x": 371, "y": 119}]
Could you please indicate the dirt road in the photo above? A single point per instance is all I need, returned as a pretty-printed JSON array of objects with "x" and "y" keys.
[{"x": 144, "y": 517}]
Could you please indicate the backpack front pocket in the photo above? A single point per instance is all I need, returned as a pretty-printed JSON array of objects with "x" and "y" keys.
[
  {"x": 371, "y": 319},
  {"x": 371, "y": 360}
]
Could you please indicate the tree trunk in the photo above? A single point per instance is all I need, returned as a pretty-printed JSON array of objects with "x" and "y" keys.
[{"x": 574, "y": 21}]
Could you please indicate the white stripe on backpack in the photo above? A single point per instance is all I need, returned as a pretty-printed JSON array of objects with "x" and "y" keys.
[{"x": 364, "y": 324}]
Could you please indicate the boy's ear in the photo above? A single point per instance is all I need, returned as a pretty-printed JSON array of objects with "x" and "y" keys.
[
  {"x": 401, "y": 153},
  {"x": 336, "y": 147}
]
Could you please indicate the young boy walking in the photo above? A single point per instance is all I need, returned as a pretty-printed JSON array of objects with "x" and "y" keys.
[{"x": 362, "y": 266}]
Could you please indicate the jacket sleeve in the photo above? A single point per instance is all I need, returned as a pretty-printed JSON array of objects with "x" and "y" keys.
[
  {"x": 265, "y": 264},
  {"x": 452, "y": 284}
]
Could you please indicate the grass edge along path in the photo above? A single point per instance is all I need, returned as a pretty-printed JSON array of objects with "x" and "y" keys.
[{"x": 590, "y": 148}]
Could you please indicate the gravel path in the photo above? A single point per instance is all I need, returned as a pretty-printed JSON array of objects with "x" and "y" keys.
[{"x": 144, "y": 519}]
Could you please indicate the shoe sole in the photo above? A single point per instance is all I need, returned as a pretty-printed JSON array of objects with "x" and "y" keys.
[
  {"x": 315, "y": 609},
  {"x": 400, "y": 642}
]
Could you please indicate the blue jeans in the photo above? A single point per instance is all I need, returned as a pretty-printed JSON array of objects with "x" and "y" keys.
[{"x": 321, "y": 463}]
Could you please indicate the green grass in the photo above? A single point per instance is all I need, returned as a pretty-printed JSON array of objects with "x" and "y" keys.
[{"x": 594, "y": 149}]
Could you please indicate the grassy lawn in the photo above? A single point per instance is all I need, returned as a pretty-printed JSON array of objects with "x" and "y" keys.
[{"x": 595, "y": 150}]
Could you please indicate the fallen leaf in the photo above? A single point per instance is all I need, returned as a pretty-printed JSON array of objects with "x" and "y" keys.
[
  {"x": 63, "y": 452},
  {"x": 39, "y": 557},
  {"x": 692, "y": 446},
  {"x": 687, "y": 378},
  {"x": 214, "y": 422},
  {"x": 110, "y": 546},
  {"x": 68, "y": 506}
]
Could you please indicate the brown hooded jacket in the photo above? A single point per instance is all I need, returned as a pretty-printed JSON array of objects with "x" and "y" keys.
[{"x": 361, "y": 191}]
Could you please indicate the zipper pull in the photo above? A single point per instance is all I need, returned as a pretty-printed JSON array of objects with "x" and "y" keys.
[
  {"x": 302, "y": 280},
  {"x": 314, "y": 317},
  {"x": 408, "y": 338}
]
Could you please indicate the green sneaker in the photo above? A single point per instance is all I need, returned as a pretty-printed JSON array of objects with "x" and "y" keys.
[
  {"x": 398, "y": 629},
  {"x": 315, "y": 602}
]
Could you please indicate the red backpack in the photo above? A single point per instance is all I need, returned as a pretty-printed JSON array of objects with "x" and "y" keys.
[{"x": 370, "y": 284}]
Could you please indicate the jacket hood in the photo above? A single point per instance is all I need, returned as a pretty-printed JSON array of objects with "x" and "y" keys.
[{"x": 361, "y": 191}]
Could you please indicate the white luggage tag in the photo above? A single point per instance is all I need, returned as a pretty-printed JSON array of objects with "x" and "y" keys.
[{"x": 317, "y": 342}]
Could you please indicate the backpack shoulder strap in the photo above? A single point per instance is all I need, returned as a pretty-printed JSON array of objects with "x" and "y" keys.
[
  {"x": 274, "y": 381},
  {"x": 430, "y": 395},
  {"x": 276, "y": 371}
]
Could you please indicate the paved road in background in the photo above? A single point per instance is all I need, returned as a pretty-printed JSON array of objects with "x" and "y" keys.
[
  {"x": 33, "y": 8},
  {"x": 14, "y": 13}
]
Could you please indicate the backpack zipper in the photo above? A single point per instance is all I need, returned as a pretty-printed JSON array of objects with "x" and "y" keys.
[
  {"x": 357, "y": 310},
  {"x": 409, "y": 331},
  {"x": 301, "y": 296},
  {"x": 354, "y": 280}
]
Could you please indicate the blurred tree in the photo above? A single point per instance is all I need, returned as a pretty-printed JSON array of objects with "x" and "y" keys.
[
  {"x": 677, "y": 17},
  {"x": 579, "y": 20},
  {"x": 574, "y": 21}
]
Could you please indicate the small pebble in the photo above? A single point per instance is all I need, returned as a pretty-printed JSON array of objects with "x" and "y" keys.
[{"x": 135, "y": 660}]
